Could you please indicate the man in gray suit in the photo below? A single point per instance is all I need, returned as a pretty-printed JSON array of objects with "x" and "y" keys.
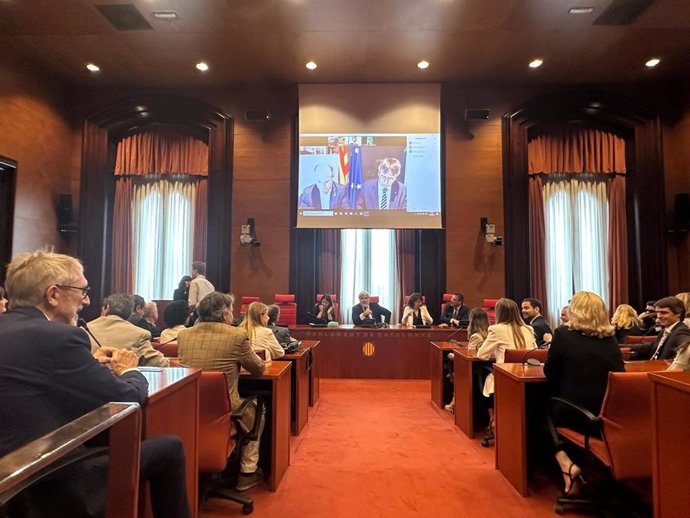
[
  {"x": 386, "y": 192},
  {"x": 326, "y": 193}
]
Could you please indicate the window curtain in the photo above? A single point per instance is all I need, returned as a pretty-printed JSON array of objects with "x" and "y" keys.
[
  {"x": 369, "y": 263},
  {"x": 160, "y": 151},
  {"x": 329, "y": 264},
  {"x": 405, "y": 244},
  {"x": 573, "y": 150}
]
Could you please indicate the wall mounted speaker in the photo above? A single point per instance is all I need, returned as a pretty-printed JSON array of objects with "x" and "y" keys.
[
  {"x": 681, "y": 210},
  {"x": 257, "y": 115},
  {"x": 65, "y": 217}
]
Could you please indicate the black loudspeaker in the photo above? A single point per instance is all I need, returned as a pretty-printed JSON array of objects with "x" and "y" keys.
[
  {"x": 681, "y": 210},
  {"x": 64, "y": 213}
]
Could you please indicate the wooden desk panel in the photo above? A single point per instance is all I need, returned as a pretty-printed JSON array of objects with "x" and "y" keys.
[
  {"x": 274, "y": 382},
  {"x": 397, "y": 352},
  {"x": 173, "y": 408},
  {"x": 468, "y": 409},
  {"x": 439, "y": 353},
  {"x": 299, "y": 410},
  {"x": 671, "y": 423},
  {"x": 314, "y": 376}
]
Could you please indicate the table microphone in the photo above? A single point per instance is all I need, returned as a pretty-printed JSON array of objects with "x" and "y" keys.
[
  {"x": 526, "y": 360},
  {"x": 450, "y": 337},
  {"x": 82, "y": 323}
]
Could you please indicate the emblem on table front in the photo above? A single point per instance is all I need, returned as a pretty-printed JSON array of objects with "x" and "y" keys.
[{"x": 368, "y": 348}]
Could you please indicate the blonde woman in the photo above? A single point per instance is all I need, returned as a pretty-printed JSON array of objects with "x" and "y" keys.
[
  {"x": 509, "y": 332},
  {"x": 685, "y": 299},
  {"x": 255, "y": 323},
  {"x": 581, "y": 355},
  {"x": 626, "y": 322}
]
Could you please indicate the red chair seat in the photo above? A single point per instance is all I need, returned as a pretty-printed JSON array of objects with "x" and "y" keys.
[{"x": 597, "y": 446}]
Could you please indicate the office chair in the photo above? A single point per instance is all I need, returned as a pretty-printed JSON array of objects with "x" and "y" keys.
[
  {"x": 617, "y": 441},
  {"x": 522, "y": 355},
  {"x": 219, "y": 437}
]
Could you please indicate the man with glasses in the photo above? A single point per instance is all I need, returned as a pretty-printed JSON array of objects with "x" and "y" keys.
[
  {"x": 386, "y": 192},
  {"x": 48, "y": 378},
  {"x": 455, "y": 311}
]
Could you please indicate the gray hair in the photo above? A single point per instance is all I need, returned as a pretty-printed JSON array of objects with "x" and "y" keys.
[
  {"x": 119, "y": 304},
  {"x": 362, "y": 294},
  {"x": 213, "y": 305}
]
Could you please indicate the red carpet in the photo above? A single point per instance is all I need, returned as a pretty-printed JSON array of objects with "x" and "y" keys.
[{"x": 381, "y": 449}]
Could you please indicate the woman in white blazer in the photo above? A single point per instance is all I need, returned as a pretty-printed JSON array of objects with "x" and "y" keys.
[
  {"x": 509, "y": 332},
  {"x": 260, "y": 336},
  {"x": 416, "y": 314}
]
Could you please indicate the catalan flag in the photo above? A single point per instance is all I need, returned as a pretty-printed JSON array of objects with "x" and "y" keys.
[{"x": 344, "y": 169}]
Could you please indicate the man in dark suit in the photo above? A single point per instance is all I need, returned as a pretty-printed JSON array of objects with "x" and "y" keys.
[
  {"x": 281, "y": 333},
  {"x": 369, "y": 313},
  {"x": 386, "y": 192},
  {"x": 48, "y": 377},
  {"x": 532, "y": 314},
  {"x": 326, "y": 193},
  {"x": 670, "y": 312},
  {"x": 455, "y": 311}
]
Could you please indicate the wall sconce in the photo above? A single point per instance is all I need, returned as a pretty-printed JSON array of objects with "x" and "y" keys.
[
  {"x": 489, "y": 230},
  {"x": 247, "y": 237}
]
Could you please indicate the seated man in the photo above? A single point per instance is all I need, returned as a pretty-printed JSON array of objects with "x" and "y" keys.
[
  {"x": 282, "y": 333},
  {"x": 369, "y": 313},
  {"x": 670, "y": 312},
  {"x": 49, "y": 378},
  {"x": 325, "y": 193},
  {"x": 385, "y": 192},
  {"x": 455, "y": 311},
  {"x": 214, "y": 345},
  {"x": 648, "y": 317},
  {"x": 112, "y": 329},
  {"x": 531, "y": 310},
  {"x": 148, "y": 319},
  {"x": 137, "y": 314}
]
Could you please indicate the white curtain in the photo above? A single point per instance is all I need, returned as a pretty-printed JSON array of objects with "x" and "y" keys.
[
  {"x": 576, "y": 218},
  {"x": 368, "y": 264},
  {"x": 163, "y": 234}
]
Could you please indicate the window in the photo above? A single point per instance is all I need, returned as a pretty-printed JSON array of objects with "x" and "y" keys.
[
  {"x": 369, "y": 264},
  {"x": 576, "y": 219},
  {"x": 163, "y": 233}
]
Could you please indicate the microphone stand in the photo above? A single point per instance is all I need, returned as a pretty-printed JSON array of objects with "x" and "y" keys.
[
  {"x": 82, "y": 323},
  {"x": 450, "y": 337}
]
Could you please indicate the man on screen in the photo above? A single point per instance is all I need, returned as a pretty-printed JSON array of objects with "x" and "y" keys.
[
  {"x": 326, "y": 193},
  {"x": 386, "y": 192}
]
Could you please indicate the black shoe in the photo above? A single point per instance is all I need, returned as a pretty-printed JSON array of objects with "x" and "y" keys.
[{"x": 487, "y": 439}]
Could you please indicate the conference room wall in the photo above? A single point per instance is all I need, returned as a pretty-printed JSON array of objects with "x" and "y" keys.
[{"x": 37, "y": 131}]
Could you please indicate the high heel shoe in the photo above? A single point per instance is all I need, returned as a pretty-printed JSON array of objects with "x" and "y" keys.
[
  {"x": 488, "y": 438},
  {"x": 574, "y": 476}
]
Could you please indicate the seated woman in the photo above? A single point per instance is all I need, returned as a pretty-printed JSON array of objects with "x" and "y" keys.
[
  {"x": 416, "y": 314},
  {"x": 685, "y": 299},
  {"x": 626, "y": 322},
  {"x": 281, "y": 333},
  {"x": 682, "y": 359},
  {"x": 324, "y": 309},
  {"x": 477, "y": 330},
  {"x": 182, "y": 290},
  {"x": 581, "y": 355},
  {"x": 260, "y": 336},
  {"x": 509, "y": 332},
  {"x": 175, "y": 316}
]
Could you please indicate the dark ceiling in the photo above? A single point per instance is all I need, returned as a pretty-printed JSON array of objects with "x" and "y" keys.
[{"x": 253, "y": 41}]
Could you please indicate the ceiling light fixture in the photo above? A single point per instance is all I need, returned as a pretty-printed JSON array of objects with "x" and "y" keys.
[
  {"x": 423, "y": 64},
  {"x": 202, "y": 66},
  {"x": 165, "y": 15},
  {"x": 580, "y": 10},
  {"x": 652, "y": 62},
  {"x": 536, "y": 63},
  {"x": 311, "y": 65},
  {"x": 93, "y": 68}
]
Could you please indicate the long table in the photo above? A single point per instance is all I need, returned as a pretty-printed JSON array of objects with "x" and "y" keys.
[
  {"x": 440, "y": 393},
  {"x": 396, "y": 352},
  {"x": 173, "y": 408},
  {"x": 470, "y": 412},
  {"x": 301, "y": 365},
  {"x": 520, "y": 392}
]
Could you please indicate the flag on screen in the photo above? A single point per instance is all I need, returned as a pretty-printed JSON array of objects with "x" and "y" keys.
[
  {"x": 344, "y": 169},
  {"x": 355, "y": 176}
]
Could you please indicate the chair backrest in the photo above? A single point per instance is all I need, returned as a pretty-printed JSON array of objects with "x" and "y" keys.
[
  {"x": 521, "y": 355},
  {"x": 407, "y": 297},
  {"x": 445, "y": 300},
  {"x": 288, "y": 307},
  {"x": 374, "y": 298},
  {"x": 627, "y": 424},
  {"x": 169, "y": 349},
  {"x": 489, "y": 305},
  {"x": 245, "y": 303},
  {"x": 626, "y": 352},
  {"x": 639, "y": 339},
  {"x": 215, "y": 426}
]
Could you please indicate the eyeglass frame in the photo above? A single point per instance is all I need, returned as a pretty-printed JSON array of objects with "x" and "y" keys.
[{"x": 84, "y": 290}]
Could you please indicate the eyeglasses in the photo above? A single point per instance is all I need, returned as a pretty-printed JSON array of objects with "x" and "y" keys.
[{"x": 84, "y": 290}]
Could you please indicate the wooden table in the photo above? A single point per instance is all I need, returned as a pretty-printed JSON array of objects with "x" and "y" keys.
[
  {"x": 314, "y": 376},
  {"x": 440, "y": 387},
  {"x": 671, "y": 424},
  {"x": 470, "y": 414},
  {"x": 299, "y": 407},
  {"x": 173, "y": 408},
  {"x": 274, "y": 384},
  {"x": 520, "y": 393},
  {"x": 396, "y": 352}
]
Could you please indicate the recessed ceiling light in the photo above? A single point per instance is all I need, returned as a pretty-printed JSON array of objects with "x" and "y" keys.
[
  {"x": 652, "y": 62},
  {"x": 92, "y": 68},
  {"x": 536, "y": 63},
  {"x": 423, "y": 64},
  {"x": 202, "y": 66},
  {"x": 165, "y": 15},
  {"x": 580, "y": 10},
  {"x": 311, "y": 65}
]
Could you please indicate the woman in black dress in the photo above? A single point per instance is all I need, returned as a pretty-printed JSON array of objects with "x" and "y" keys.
[
  {"x": 182, "y": 290},
  {"x": 325, "y": 310},
  {"x": 581, "y": 355}
]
